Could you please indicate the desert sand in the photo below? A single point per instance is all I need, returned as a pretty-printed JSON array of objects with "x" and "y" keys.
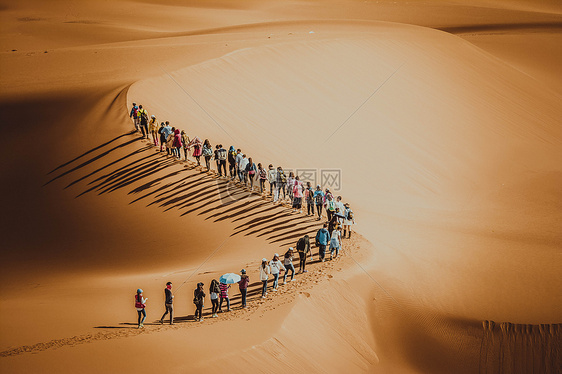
[{"x": 444, "y": 118}]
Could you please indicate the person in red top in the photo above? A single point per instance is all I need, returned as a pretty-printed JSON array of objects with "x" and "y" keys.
[
  {"x": 140, "y": 305},
  {"x": 224, "y": 295},
  {"x": 243, "y": 285}
]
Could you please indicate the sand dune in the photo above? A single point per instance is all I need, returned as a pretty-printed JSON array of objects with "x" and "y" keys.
[{"x": 448, "y": 146}]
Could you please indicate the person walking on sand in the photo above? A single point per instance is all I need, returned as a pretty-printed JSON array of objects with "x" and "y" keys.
[
  {"x": 276, "y": 266},
  {"x": 288, "y": 263},
  {"x": 221, "y": 156},
  {"x": 214, "y": 292},
  {"x": 238, "y": 158},
  {"x": 243, "y": 286},
  {"x": 168, "y": 303},
  {"x": 322, "y": 238},
  {"x": 280, "y": 184},
  {"x": 134, "y": 115},
  {"x": 264, "y": 275},
  {"x": 232, "y": 162},
  {"x": 262, "y": 177},
  {"x": 290, "y": 185},
  {"x": 153, "y": 129},
  {"x": 303, "y": 248},
  {"x": 170, "y": 143},
  {"x": 163, "y": 135},
  {"x": 184, "y": 143},
  {"x": 308, "y": 195},
  {"x": 140, "y": 305},
  {"x": 196, "y": 144},
  {"x": 251, "y": 169},
  {"x": 329, "y": 204},
  {"x": 199, "y": 300},
  {"x": 332, "y": 224},
  {"x": 177, "y": 143},
  {"x": 271, "y": 178},
  {"x": 297, "y": 195},
  {"x": 348, "y": 221},
  {"x": 142, "y": 115},
  {"x": 242, "y": 170},
  {"x": 340, "y": 208},
  {"x": 208, "y": 154},
  {"x": 224, "y": 296},
  {"x": 216, "y": 156},
  {"x": 319, "y": 200},
  {"x": 335, "y": 243}
]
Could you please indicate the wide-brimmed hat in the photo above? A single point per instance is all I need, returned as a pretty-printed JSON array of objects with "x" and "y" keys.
[{"x": 243, "y": 271}]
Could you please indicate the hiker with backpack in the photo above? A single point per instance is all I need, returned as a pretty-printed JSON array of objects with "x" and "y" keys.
[
  {"x": 140, "y": 305},
  {"x": 280, "y": 184},
  {"x": 142, "y": 115},
  {"x": 163, "y": 135},
  {"x": 288, "y": 263},
  {"x": 221, "y": 156},
  {"x": 322, "y": 238},
  {"x": 153, "y": 128},
  {"x": 214, "y": 292},
  {"x": 170, "y": 149},
  {"x": 308, "y": 195},
  {"x": 332, "y": 224},
  {"x": 207, "y": 152},
  {"x": 232, "y": 162},
  {"x": 168, "y": 303},
  {"x": 264, "y": 276},
  {"x": 243, "y": 286},
  {"x": 276, "y": 266},
  {"x": 303, "y": 248},
  {"x": 262, "y": 177},
  {"x": 297, "y": 195},
  {"x": 134, "y": 115},
  {"x": 251, "y": 169},
  {"x": 319, "y": 200},
  {"x": 196, "y": 144},
  {"x": 271, "y": 178},
  {"x": 348, "y": 221},
  {"x": 198, "y": 300},
  {"x": 185, "y": 141}
]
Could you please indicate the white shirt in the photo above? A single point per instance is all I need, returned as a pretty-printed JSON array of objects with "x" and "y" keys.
[{"x": 276, "y": 266}]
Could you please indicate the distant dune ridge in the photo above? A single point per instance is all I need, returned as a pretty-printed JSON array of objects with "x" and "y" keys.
[{"x": 443, "y": 117}]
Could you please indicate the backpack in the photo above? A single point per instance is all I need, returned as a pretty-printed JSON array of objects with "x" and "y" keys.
[
  {"x": 144, "y": 117},
  {"x": 263, "y": 174},
  {"x": 221, "y": 154},
  {"x": 319, "y": 199},
  {"x": 207, "y": 151},
  {"x": 282, "y": 176},
  {"x": 161, "y": 130},
  {"x": 300, "y": 245},
  {"x": 349, "y": 215}
]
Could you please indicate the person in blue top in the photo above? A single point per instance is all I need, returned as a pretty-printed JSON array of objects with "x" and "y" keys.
[
  {"x": 133, "y": 115},
  {"x": 318, "y": 197},
  {"x": 322, "y": 237}
]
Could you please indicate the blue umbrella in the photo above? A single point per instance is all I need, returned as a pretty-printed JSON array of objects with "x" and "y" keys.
[{"x": 229, "y": 278}]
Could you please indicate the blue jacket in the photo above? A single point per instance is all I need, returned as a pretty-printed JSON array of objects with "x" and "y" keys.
[{"x": 322, "y": 236}]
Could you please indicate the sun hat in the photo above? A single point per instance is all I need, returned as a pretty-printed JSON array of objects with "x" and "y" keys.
[
  {"x": 264, "y": 259},
  {"x": 139, "y": 290},
  {"x": 243, "y": 271},
  {"x": 153, "y": 116},
  {"x": 276, "y": 255}
]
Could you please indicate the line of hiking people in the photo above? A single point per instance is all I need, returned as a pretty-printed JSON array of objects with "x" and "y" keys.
[{"x": 242, "y": 171}]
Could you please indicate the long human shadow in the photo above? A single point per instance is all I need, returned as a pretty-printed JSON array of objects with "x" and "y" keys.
[
  {"x": 138, "y": 175},
  {"x": 293, "y": 235},
  {"x": 243, "y": 201},
  {"x": 85, "y": 163},
  {"x": 177, "y": 198},
  {"x": 271, "y": 226},
  {"x": 163, "y": 189},
  {"x": 136, "y": 152},
  {"x": 194, "y": 197},
  {"x": 234, "y": 212},
  {"x": 164, "y": 196},
  {"x": 90, "y": 151},
  {"x": 117, "y": 175},
  {"x": 219, "y": 199}
]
